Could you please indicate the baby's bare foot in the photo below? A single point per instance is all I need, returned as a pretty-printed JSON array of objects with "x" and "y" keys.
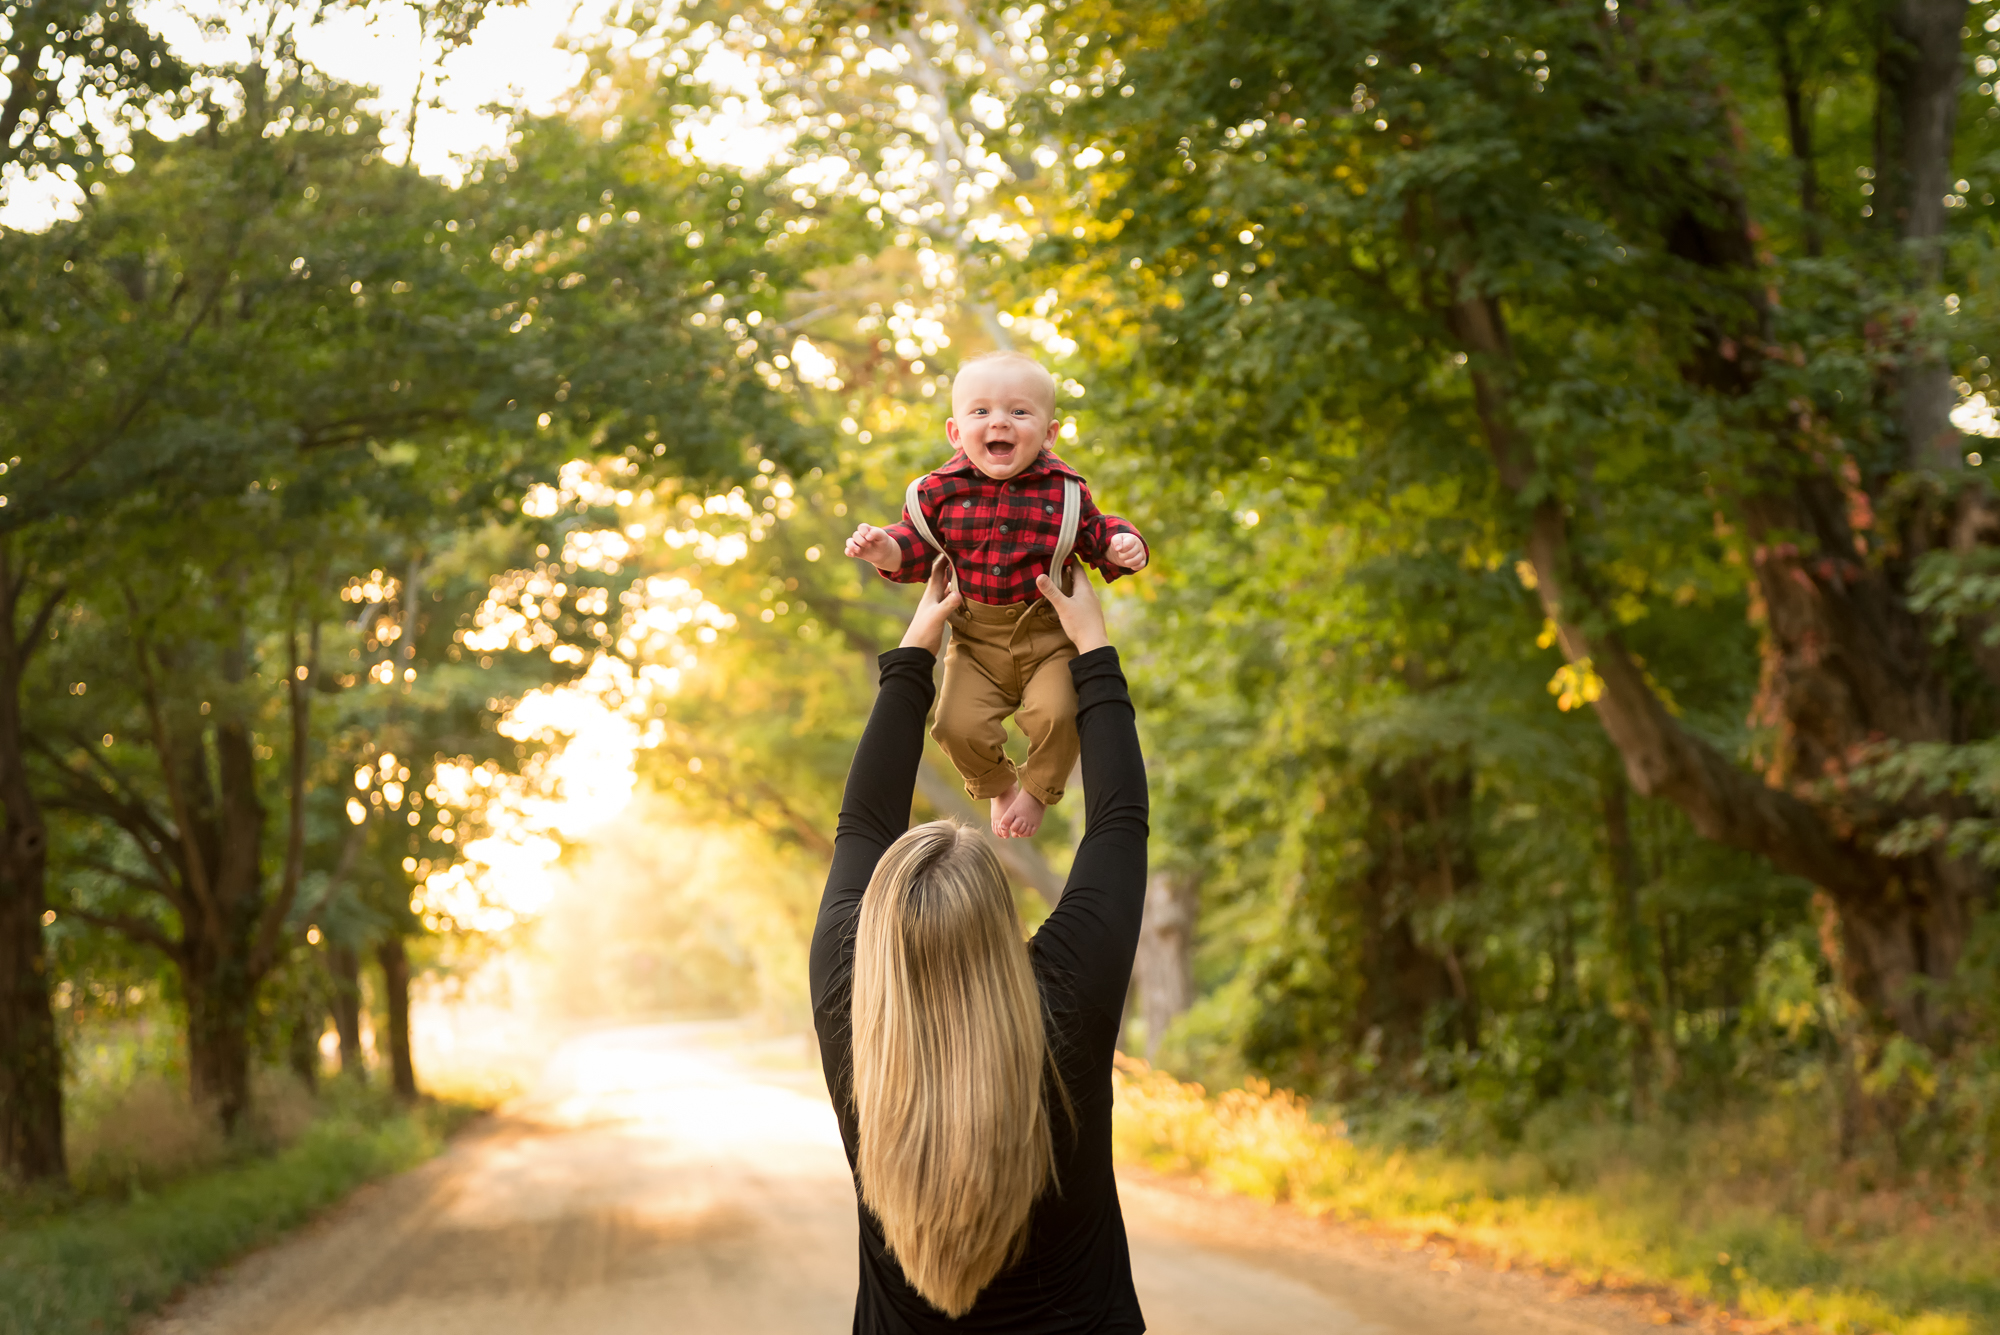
[
  {"x": 1024, "y": 817},
  {"x": 1000, "y": 811}
]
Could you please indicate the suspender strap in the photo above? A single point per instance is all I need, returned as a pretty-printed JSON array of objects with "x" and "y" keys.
[
  {"x": 914, "y": 508},
  {"x": 1066, "y": 539}
]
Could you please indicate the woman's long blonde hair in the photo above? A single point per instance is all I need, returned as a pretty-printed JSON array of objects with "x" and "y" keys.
[{"x": 949, "y": 1054}]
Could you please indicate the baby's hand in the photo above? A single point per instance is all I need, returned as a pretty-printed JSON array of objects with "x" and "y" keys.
[
  {"x": 876, "y": 547},
  {"x": 1128, "y": 550}
]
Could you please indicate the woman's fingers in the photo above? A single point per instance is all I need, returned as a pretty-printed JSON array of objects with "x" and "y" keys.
[
  {"x": 1082, "y": 616},
  {"x": 940, "y": 589},
  {"x": 933, "y": 609}
]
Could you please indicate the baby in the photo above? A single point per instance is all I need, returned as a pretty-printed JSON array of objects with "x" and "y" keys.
[{"x": 1004, "y": 510}]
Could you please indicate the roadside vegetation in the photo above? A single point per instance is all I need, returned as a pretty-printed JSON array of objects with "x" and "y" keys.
[
  {"x": 160, "y": 1198},
  {"x": 1754, "y": 1213}
]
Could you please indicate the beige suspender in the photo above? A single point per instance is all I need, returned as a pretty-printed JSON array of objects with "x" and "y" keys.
[
  {"x": 1065, "y": 537},
  {"x": 915, "y": 510}
]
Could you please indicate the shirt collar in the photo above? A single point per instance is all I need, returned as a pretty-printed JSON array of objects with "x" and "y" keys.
[{"x": 1045, "y": 462}]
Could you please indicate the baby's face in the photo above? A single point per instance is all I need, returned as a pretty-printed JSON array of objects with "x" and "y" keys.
[{"x": 1002, "y": 416}]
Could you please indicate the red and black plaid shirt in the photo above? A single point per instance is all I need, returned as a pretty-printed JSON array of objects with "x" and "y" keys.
[{"x": 1000, "y": 535}]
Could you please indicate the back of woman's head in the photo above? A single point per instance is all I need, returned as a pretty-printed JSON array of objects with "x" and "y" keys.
[{"x": 949, "y": 1052}]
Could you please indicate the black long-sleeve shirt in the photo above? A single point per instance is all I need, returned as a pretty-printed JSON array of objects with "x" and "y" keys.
[{"x": 1076, "y": 1273}]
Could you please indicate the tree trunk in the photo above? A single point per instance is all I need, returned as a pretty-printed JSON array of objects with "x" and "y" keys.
[
  {"x": 1798, "y": 99},
  {"x": 221, "y": 998},
  {"x": 1163, "y": 969},
  {"x": 1845, "y": 664},
  {"x": 31, "y": 1110},
  {"x": 302, "y": 1044},
  {"x": 1917, "y": 89},
  {"x": 395, "y": 962},
  {"x": 1418, "y": 819},
  {"x": 220, "y": 971},
  {"x": 343, "y": 966},
  {"x": 1626, "y": 881}
]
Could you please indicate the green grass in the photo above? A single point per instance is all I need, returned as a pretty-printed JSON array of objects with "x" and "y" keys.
[
  {"x": 1739, "y": 1213},
  {"x": 94, "y": 1266}
]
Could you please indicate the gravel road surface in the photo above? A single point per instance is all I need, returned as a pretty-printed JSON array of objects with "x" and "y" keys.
[{"x": 679, "y": 1179}]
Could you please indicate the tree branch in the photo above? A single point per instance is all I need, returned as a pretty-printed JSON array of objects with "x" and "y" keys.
[
  {"x": 196, "y": 870},
  {"x": 298, "y": 688},
  {"x": 1662, "y": 758},
  {"x": 115, "y": 799},
  {"x": 117, "y": 873},
  {"x": 40, "y": 623},
  {"x": 136, "y": 929}
]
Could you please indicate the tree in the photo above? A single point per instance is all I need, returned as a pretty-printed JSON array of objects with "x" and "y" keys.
[
  {"x": 81, "y": 69},
  {"x": 1373, "y": 235},
  {"x": 314, "y": 367}
]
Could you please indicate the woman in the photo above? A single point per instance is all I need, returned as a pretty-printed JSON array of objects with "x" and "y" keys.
[{"x": 972, "y": 1072}]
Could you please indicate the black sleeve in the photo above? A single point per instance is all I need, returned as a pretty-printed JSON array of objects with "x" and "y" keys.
[
  {"x": 1086, "y": 945},
  {"x": 874, "y": 813}
]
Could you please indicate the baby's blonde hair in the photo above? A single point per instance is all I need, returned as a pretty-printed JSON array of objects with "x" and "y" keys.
[{"x": 1008, "y": 355}]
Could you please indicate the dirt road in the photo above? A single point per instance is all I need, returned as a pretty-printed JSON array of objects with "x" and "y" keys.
[{"x": 668, "y": 1179}]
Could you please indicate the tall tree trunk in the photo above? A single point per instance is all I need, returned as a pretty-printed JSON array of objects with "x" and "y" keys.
[
  {"x": 1917, "y": 88},
  {"x": 1799, "y": 99},
  {"x": 221, "y": 1001},
  {"x": 220, "y": 968},
  {"x": 1163, "y": 970},
  {"x": 302, "y": 1043},
  {"x": 1627, "y": 879},
  {"x": 31, "y": 1110},
  {"x": 395, "y": 962},
  {"x": 1419, "y": 856},
  {"x": 343, "y": 967}
]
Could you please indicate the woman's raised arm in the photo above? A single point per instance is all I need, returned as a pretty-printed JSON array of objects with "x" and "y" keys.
[
  {"x": 875, "y": 810},
  {"x": 1094, "y": 929}
]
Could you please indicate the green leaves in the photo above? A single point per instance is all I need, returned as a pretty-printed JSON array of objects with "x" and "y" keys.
[{"x": 80, "y": 68}]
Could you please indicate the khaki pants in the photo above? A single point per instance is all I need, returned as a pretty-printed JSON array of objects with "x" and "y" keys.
[{"x": 1005, "y": 659}]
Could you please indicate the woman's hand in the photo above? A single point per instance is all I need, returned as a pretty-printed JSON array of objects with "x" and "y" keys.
[
  {"x": 940, "y": 601},
  {"x": 1082, "y": 616}
]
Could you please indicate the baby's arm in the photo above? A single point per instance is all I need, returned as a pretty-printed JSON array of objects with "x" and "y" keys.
[
  {"x": 875, "y": 546},
  {"x": 1107, "y": 542}
]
